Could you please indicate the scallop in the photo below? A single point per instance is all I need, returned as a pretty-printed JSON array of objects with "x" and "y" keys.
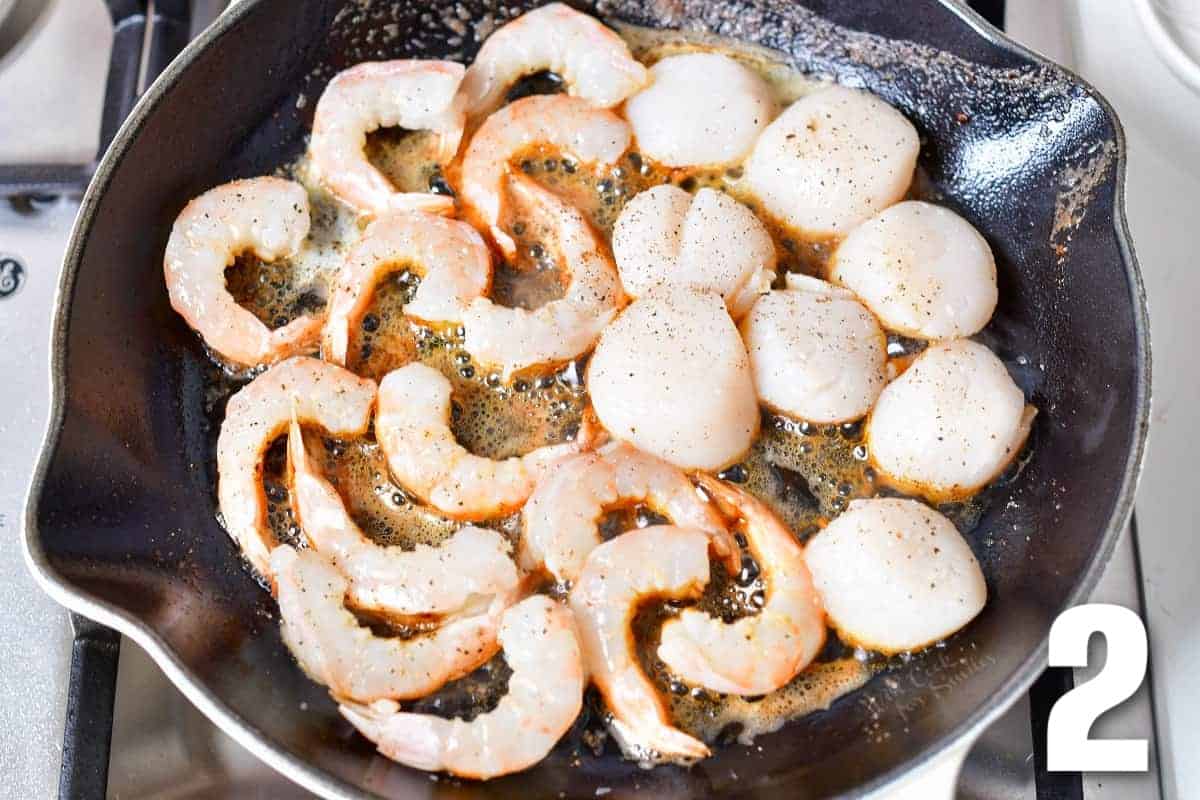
[
  {"x": 951, "y": 423},
  {"x": 924, "y": 270},
  {"x": 700, "y": 109},
  {"x": 895, "y": 575},
  {"x": 711, "y": 242},
  {"x": 816, "y": 353},
  {"x": 671, "y": 377},
  {"x": 832, "y": 160}
]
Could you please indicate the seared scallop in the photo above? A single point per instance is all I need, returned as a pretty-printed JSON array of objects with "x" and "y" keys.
[
  {"x": 895, "y": 575},
  {"x": 711, "y": 242},
  {"x": 817, "y": 354},
  {"x": 832, "y": 160},
  {"x": 951, "y": 423},
  {"x": 699, "y": 109},
  {"x": 671, "y": 377},
  {"x": 924, "y": 270}
]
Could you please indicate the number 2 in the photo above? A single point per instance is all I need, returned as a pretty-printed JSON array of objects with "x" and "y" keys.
[{"x": 1068, "y": 747}]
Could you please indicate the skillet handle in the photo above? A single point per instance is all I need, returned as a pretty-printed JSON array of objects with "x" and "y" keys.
[{"x": 87, "y": 732}]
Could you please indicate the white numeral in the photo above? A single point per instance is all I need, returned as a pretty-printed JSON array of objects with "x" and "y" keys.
[{"x": 1067, "y": 744}]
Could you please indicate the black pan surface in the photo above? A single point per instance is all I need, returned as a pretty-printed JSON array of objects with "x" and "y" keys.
[{"x": 120, "y": 521}]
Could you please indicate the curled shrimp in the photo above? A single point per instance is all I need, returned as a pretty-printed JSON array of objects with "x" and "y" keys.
[
  {"x": 314, "y": 391},
  {"x": 545, "y": 694},
  {"x": 594, "y": 62},
  {"x": 470, "y": 569},
  {"x": 451, "y": 256},
  {"x": 588, "y": 134},
  {"x": 336, "y": 651},
  {"x": 562, "y": 515},
  {"x": 413, "y": 429},
  {"x": 659, "y": 561},
  {"x": 417, "y": 95},
  {"x": 265, "y": 216},
  {"x": 759, "y": 653},
  {"x": 511, "y": 339}
]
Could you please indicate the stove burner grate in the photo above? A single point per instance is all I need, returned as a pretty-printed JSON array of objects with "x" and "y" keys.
[{"x": 149, "y": 31}]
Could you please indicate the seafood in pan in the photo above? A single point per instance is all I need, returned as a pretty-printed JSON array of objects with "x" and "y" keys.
[{"x": 540, "y": 419}]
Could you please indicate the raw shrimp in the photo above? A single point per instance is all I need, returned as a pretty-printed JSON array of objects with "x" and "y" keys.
[
  {"x": 895, "y": 575},
  {"x": 700, "y": 109},
  {"x": 469, "y": 570},
  {"x": 659, "y": 561},
  {"x": 264, "y": 216},
  {"x": 671, "y": 376},
  {"x": 417, "y": 95},
  {"x": 511, "y": 339},
  {"x": 711, "y": 242},
  {"x": 832, "y": 160},
  {"x": 816, "y": 352},
  {"x": 593, "y": 61},
  {"x": 762, "y": 652},
  {"x": 545, "y": 694},
  {"x": 952, "y": 422},
  {"x": 588, "y": 134},
  {"x": 314, "y": 391},
  {"x": 337, "y": 651},
  {"x": 413, "y": 429},
  {"x": 924, "y": 270},
  {"x": 451, "y": 257},
  {"x": 563, "y": 513}
]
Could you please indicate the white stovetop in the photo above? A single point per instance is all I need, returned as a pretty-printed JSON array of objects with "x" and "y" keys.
[
  {"x": 1102, "y": 39},
  {"x": 1105, "y": 43},
  {"x": 35, "y": 636}
]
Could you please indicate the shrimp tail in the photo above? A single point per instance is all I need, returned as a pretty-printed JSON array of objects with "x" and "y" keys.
[
  {"x": 297, "y": 456},
  {"x": 591, "y": 434},
  {"x": 728, "y": 503}
]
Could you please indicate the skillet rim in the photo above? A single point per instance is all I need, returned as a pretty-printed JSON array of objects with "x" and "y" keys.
[{"x": 327, "y": 785}]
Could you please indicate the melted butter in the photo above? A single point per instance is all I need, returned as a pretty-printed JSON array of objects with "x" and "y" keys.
[
  {"x": 489, "y": 418},
  {"x": 384, "y": 511},
  {"x": 270, "y": 292},
  {"x": 536, "y": 274},
  {"x": 805, "y": 473},
  {"x": 814, "y": 689},
  {"x": 407, "y": 158}
]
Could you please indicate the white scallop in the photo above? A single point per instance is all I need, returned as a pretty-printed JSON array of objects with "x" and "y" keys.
[
  {"x": 895, "y": 575},
  {"x": 700, "y": 108},
  {"x": 671, "y": 376},
  {"x": 924, "y": 270},
  {"x": 710, "y": 242},
  {"x": 816, "y": 353},
  {"x": 950, "y": 423},
  {"x": 832, "y": 160}
]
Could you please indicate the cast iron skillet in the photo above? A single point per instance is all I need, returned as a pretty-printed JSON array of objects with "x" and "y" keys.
[{"x": 120, "y": 520}]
